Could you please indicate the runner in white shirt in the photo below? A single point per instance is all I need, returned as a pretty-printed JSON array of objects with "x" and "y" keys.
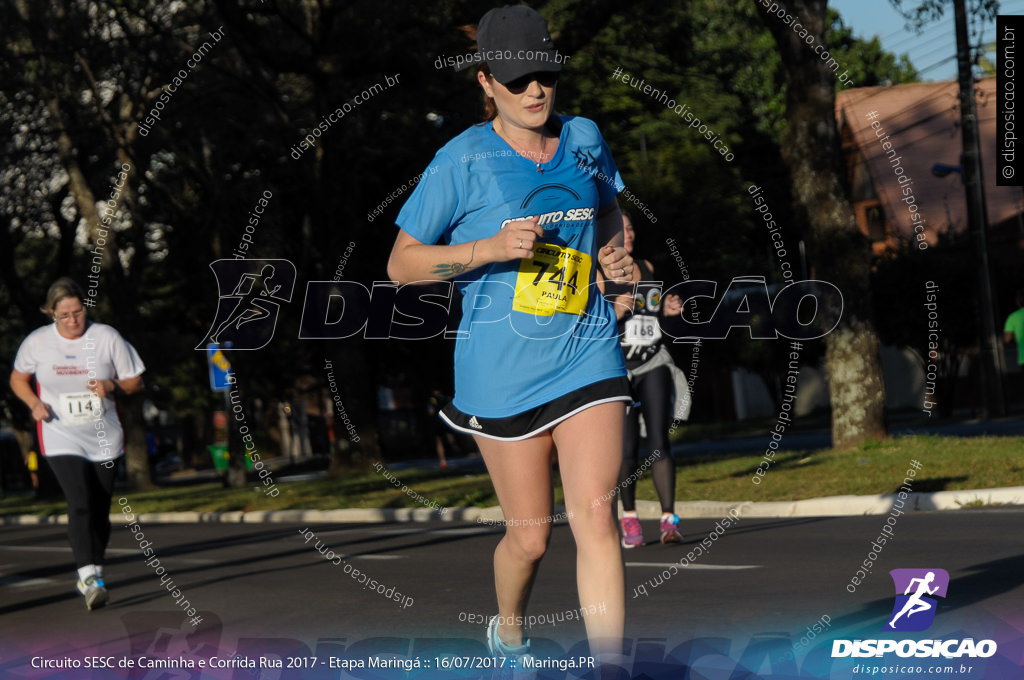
[{"x": 78, "y": 367}]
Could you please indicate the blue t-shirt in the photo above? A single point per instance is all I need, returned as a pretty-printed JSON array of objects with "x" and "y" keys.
[{"x": 533, "y": 329}]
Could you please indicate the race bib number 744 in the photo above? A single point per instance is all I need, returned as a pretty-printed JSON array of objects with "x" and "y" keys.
[{"x": 554, "y": 279}]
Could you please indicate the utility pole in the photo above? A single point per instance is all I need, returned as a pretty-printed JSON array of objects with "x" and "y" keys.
[{"x": 977, "y": 222}]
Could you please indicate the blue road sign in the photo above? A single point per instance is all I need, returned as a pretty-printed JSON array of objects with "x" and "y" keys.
[{"x": 220, "y": 367}]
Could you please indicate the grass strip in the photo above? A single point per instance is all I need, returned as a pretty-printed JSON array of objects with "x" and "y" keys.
[{"x": 947, "y": 464}]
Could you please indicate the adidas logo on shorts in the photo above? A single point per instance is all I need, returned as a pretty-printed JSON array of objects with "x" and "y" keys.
[{"x": 474, "y": 424}]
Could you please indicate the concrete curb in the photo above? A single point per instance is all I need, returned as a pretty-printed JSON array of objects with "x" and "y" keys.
[
  {"x": 844, "y": 506},
  {"x": 833, "y": 506}
]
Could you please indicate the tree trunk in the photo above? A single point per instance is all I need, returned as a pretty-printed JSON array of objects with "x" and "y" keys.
[
  {"x": 812, "y": 149},
  {"x": 355, "y": 371},
  {"x": 136, "y": 457},
  {"x": 235, "y": 477},
  {"x": 53, "y": 93}
]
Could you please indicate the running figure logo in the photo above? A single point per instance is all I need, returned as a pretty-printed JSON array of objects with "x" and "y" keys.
[
  {"x": 914, "y": 611},
  {"x": 584, "y": 160},
  {"x": 247, "y": 315}
]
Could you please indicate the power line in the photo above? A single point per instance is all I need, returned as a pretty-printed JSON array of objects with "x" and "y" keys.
[
  {"x": 984, "y": 30},
  {"x": 915, "y": 36},
  {"x": 974, "y": 48},
  {"x": 942, "y": 48},
  {"x": 924, "y": 33},
  {"x": 939, "y": 92},
  {"x": 936, "y": 64},
  {"x": 940, "y": 27}
]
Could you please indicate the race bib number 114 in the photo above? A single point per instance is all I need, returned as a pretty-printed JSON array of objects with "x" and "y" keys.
[{"x": 80, "y": 408}]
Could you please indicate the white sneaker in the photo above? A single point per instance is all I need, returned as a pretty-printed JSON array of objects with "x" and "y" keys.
[
  {"x": 94, "y": 590},
  {"x": 512, "y": 664}
]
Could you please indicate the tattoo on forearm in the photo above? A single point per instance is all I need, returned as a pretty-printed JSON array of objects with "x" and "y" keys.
[{"x": 446, "y": 269}]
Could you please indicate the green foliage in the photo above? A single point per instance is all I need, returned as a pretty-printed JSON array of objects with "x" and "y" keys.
[{"x": 868, "y": 63}]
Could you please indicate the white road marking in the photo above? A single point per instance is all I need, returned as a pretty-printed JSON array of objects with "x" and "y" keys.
[
  {"x": 115, "y": 551},
  {"x": 25, "y": 548},
  {"x": 464, "y": 531},
  {"x": 15, "y": 582},
  {"x": 697, "y": 567},
  {"x": 173, "y": 558}
]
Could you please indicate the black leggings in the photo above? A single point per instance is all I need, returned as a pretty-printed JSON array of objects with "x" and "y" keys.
[
  {"x": 88, "y": 487},
  {"x": 653, "y": 390}
]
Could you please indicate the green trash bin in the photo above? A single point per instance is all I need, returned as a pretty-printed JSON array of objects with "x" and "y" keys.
[{"x": 220, "y": 455}]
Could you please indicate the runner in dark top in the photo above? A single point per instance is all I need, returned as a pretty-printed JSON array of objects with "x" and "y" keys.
[{"x": 640, "y": 309}]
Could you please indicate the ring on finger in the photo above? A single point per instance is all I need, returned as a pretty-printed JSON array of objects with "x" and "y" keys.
[{"x": 520, "y": 243}]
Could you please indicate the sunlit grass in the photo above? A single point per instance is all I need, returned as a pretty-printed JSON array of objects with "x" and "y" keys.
[{"x": 947, "y": 463}]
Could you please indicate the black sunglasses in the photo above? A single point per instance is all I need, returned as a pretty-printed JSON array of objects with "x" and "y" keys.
[{"x": 519, "y": 85}]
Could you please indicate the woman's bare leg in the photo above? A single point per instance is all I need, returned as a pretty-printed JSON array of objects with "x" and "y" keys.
[
  {"x": 589, "y": 457},
  {"x": 521, "y": 475}
]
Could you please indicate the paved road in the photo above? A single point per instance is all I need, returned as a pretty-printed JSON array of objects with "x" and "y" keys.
[{"x": 262, "y": 590}]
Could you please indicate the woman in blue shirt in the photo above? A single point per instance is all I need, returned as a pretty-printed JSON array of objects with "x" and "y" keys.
[{"x": 525, "y": 206}]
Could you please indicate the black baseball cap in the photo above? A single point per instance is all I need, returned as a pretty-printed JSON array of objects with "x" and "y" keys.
[{"x": 514, "y": 41}]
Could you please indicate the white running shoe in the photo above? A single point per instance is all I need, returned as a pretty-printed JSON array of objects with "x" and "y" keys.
[{"x": 94, "y": 590}]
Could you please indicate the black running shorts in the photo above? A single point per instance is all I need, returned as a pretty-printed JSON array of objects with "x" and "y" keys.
[{"x": 544, "y": 417}]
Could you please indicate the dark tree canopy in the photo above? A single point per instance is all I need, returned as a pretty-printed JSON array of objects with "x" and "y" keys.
[{"x": 77, "y": 79}]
